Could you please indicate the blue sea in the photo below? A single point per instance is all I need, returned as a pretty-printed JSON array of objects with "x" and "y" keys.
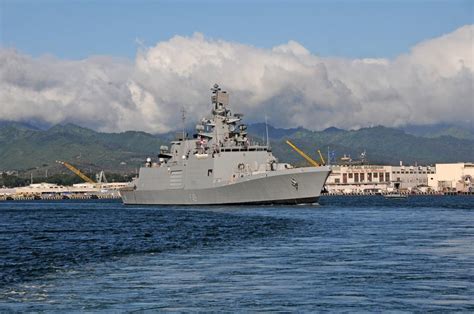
[{"x": 346, "y": 254}]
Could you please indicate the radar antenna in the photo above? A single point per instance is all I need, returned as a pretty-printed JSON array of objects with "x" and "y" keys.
[{"x": 215, "y": 88}]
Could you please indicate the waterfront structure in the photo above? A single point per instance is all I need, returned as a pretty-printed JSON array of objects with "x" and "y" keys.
[
  {"x": 410, "y": 177},
  {"x": 221, "y": 165},
  {"x": 42, "y": 189},
  {"x": 7, "y": 191},
  {"x": 350, "y": 178},
  {"x": 347, "y": 178},
  {"x": 453, "y": 177}
]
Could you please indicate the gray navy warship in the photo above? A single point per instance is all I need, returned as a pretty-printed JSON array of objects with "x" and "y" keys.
[{"x": 221, "y": 165}]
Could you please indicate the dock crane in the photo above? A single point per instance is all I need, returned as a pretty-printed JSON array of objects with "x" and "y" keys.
[
  {"x": 303, "y": 154},
  {"x": 76, "y": 171},
  {"x": 322, "y": 158}
]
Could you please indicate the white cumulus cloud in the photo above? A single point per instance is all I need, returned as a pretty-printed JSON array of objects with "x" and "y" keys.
[{"x": 431, "y": 83}]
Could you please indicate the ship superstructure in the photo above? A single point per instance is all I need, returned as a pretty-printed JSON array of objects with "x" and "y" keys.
[{"x": 221, "y": 165}]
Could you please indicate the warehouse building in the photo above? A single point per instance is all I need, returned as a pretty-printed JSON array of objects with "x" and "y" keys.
[
  {"x": 453, "y": 177},
  {"x": 349, "y": 178}
]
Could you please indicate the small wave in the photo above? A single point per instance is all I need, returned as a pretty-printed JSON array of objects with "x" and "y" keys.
[{"x": 40, "y": 246}]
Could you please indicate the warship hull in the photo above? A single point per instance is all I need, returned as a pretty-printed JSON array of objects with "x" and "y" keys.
[{"x": 290, "y": 186}]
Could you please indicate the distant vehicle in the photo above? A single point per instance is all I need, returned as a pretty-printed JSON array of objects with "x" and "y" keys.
[
  {"x": 221, "y": 165},
  {"x": 395, "y": 195}
]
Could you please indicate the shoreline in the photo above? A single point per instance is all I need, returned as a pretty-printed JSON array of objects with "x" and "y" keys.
[
  {"x": 402, "y": 193},
  {"x": 113, "y": 196}
]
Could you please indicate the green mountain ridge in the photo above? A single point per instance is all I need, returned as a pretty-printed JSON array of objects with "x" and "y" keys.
[
  {"x": 385, "y": 145},
  {"x": 439, "y": 130},
  {"x": 23, "y": 148}
]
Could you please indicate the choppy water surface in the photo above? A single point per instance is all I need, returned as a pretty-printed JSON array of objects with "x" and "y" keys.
[{"x": 353, "y": 254}]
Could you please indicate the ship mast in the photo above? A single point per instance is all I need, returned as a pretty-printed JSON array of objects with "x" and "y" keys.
[
  {"x": 266, "y": 130},
  {"x": 215, "y": 90},
  {"x": 183, "y": 118}
]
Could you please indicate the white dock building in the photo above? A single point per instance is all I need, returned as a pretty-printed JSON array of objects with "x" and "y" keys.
[
  {"x": 442, "y": 177},
  {"x": 454, "y": 177}
]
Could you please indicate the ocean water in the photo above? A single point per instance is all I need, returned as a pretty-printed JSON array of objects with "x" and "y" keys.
[{"x": 347, "y": 254}]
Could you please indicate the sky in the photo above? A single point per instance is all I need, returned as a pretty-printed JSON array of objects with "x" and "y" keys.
[
  {"x": 77, "y": 29},
  {"x": 117, "y": 65}
]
